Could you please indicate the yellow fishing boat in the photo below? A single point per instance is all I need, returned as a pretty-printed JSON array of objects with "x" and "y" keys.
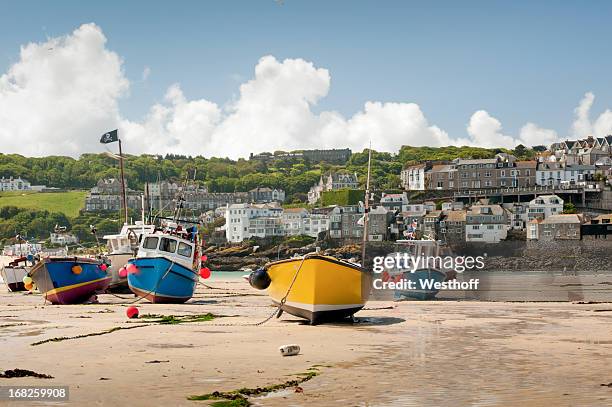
[{"x": 315, "y": 287}]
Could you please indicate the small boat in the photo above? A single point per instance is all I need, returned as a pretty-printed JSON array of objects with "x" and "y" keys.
[
  {"x": 14, "y": 272},
  {"x": 165, "y": 267},
  {"x": 423, "y": 276},
  {"x": 315, "y": 287},
  {"x": 69, "y": 280},
  {"x": 122, "y": 247}
]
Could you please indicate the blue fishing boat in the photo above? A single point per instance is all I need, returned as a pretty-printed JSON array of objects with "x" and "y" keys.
[
  {"x": 423, "y": 280},
  {"x": 423, "y": 274},
  {"x": 69, "y": 280},
  {"x": 165, "y": 269}
]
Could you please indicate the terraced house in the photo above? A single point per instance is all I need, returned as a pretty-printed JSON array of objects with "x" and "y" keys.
[{"x": 499, "y": 172}]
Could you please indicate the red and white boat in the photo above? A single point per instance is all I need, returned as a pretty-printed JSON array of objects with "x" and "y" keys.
[{"x": 14, "y": 272}]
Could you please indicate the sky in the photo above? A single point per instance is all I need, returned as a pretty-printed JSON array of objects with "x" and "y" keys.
[{"x": 227, "y": 78}]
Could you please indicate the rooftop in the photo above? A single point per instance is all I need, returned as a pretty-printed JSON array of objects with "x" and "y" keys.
[
  {"x": 456, "y": 216},
  {"x": 563, "y": 218}
]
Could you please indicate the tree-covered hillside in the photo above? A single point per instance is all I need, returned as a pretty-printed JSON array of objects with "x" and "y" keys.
[{"x": 295, "y": 175}]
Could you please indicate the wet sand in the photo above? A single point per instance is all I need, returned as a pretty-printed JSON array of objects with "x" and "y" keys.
[{"x": 439, "y": 353}]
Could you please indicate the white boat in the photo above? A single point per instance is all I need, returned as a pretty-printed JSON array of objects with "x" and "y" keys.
[
  {"x": 122, "y": 247},
  {"x": 14, "y": 272}
]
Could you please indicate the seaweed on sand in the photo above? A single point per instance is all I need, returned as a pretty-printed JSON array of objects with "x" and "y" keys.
[
  {"x": 65, "y": 338},
  {"x": 239, "y": 398},
  {"x": 149, "y": 319},
  {"x": 177, "y": 319},
  {"x": 9, "y": 374}
]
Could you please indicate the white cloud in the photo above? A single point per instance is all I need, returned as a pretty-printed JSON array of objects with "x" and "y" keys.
[
  {"x": 63, "y": 93},
  {"x": 583, "y": 127},
  {"x": 533, "y": 135},
  {"x": 486, "y": 131},
  {"x": 582, "y": 124},
  {"x": 274, "y": 112}
]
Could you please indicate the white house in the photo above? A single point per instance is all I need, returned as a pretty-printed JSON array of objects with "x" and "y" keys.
[
  {"x": 550, "y": 174},
  {"x": 243, "y": 221},
  {"x": 517, "y": 214},
  {"x": 63, "y": 238},
  {"x": 317, "y": 221},
  {"x": 579, "y": 173},
  {"x": 14, "y": 184},
  {"x": 544, "y": 206},
  {"x": 486, "y": 223},
  {"x": 293, "y": 221},
  {"x": 413, "y": 177}
]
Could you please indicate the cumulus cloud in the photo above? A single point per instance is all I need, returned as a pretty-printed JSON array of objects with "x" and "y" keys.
[
  {"x": 274, "y": 111},
  {"x": 60, "y": 93},
  {"x": 63, "y": 93},
  {"x": 582, "y": 123},
  {"x": 583, "y": 127},
  {"x": 532, "y": 135}
]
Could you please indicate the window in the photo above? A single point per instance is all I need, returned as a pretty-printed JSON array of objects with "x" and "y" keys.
[
  {"x": 184, "y": 249},
  {"x": 167, "y": 245},
  {"x": 150, "y": 243}
]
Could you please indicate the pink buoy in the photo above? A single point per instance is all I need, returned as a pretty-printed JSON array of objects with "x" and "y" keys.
[
  {"x": 132, "y": 312},
  {"x": 103, "y": 267},
  {"x": 204, "y": 257},
  {"x": 205, "y": 272},
  {"x": 131, "y": 268},
  {"x": 123, "y": 272}
]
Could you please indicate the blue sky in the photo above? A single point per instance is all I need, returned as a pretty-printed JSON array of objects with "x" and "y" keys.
[{"x": 520, "y": 61}]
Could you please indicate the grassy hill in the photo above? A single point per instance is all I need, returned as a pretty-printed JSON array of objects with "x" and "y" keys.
[{"x": 68, "y": 203}]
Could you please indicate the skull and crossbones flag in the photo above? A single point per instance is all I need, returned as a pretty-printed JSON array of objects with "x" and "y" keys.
[{"x": 109, "y": 137}]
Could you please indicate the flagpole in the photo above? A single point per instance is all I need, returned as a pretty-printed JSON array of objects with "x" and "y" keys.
[
  {"x": 366, "y": 210},
  {"x": 123, "y": 192}
]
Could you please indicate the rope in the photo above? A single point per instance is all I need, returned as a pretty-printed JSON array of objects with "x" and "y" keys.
[{"x": 277, "y": 310}]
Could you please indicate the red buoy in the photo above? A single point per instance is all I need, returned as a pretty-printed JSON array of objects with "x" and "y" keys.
[
  {"x": 204, "y": 272},
  {"x": 103, "y": 267},
  {"x": 204, "y": 257},
  {"x": 132, "y": 312},
  {"x": 131, "y": 268},
  {"x": 122, "y": 272}
]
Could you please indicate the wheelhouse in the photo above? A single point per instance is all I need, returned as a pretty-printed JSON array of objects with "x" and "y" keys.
[
  {"x": 169, "y": 246},
  {"x": 129, "y": 237}
]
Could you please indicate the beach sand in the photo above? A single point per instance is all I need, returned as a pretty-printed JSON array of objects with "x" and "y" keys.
[{"x": 442, "y": 353}]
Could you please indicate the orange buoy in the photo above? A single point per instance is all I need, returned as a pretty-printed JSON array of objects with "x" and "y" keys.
[{"x": 76, "y": 269}]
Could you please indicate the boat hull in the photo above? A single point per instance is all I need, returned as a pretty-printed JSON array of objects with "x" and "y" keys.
[
  {"x": 13, "y": 278},
  {"x": 420, "y": 293},
  {"x": 60, "y": 285},
  {"x": 118, "y": 284},
  {"x": 160, "y": 280},
  {"x": 325, "y": 288}
]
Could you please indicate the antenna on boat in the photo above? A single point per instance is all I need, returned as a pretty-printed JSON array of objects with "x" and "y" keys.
[{"x": 366, "y": 214}]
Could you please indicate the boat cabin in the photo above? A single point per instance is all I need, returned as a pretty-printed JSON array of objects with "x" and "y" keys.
[
  {"x": 170, "y": 246},
  {"x": 129, "y": 238}
]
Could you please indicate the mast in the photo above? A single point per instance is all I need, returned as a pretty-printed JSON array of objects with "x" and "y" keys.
[
  {"x": 123, "y": 192},
  {"x": 366, "y": 214}
]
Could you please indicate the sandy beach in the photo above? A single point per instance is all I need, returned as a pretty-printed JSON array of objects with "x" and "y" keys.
[{"x": 444, "y": 352}]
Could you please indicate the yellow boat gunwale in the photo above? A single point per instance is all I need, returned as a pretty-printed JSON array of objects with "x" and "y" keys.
[{"x": 319, "y": 257}]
